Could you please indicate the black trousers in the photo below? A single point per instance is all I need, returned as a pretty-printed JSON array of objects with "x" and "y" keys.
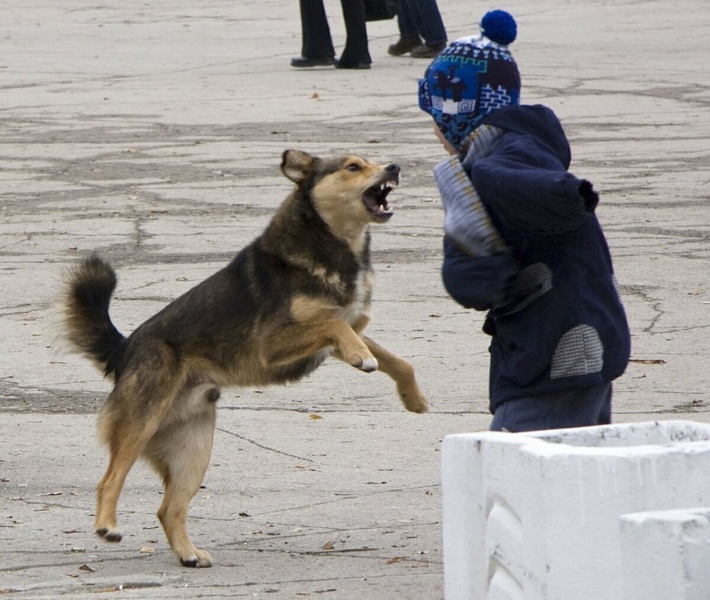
[{"x": 316, "y": 40}]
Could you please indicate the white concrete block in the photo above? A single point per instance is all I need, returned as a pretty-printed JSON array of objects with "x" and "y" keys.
[
  {"x": 536, "y": 516},
  {"x": 666, "y": 554}
]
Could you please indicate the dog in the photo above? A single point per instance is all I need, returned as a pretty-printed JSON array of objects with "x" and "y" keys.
[{"x": 298, "y": 293}]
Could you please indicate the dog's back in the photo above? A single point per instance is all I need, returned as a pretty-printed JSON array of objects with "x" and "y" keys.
[{"x": 220, "y": 326}]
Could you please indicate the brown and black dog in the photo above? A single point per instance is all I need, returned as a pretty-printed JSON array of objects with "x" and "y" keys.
[{"x": 297, "y": 294}]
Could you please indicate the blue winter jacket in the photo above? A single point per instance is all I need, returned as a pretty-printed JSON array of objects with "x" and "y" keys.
[{"x": 555, "y": 314}]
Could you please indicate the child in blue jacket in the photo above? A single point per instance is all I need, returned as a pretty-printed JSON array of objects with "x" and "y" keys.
[{"x": 522, "y": 240}]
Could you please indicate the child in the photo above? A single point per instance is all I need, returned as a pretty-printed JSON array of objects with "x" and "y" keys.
[{"x": 522, "y": 240}]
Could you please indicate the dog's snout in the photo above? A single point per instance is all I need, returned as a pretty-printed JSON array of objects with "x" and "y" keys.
[{"x": 392, "y": 168}]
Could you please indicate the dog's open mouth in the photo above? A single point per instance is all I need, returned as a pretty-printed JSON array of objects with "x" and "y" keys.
[{"x": 375, "y": 198}]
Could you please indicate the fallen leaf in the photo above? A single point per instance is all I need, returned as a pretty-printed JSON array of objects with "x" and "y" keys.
[
  {"x": 314, "y": 417},
  {"x": 86, "y": 568},
  {"x": 147, "y": 550},
  {"x": 647, "y": 361},
  {"x": 396, "y": 559},
  {"x": 315, "y": 96},
  {"x": 328, "y": 545}
]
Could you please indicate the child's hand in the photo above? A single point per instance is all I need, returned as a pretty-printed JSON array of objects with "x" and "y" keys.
[{"x": 591, "y": 198}]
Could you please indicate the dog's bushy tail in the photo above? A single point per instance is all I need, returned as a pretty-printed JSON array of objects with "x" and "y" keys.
[{"x": 88, "y": 326}]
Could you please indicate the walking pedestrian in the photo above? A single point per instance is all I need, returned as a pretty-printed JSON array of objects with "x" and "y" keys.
[
  {"x": 421, "y": 29},
  {"x": 317, "y": 45}
]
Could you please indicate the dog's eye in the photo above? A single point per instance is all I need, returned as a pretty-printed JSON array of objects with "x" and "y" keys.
[{"x": 354, "y": 167}]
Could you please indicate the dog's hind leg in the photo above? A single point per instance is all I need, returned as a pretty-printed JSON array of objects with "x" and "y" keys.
[
  {"x": 130, "y": 418},
  {"x": 403, "y": 375},
  {"x": 126, "y": 440},
  {"x": 181, "y": 453}
]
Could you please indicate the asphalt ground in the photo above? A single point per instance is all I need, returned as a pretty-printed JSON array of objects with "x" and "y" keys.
[{"x": 152, "y": 132}]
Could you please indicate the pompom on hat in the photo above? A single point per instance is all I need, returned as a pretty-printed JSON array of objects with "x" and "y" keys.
[
  {"x": 499, "y": 27},
  {"x": 472, "y": 77}
]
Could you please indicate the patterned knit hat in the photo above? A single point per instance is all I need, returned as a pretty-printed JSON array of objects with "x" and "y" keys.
[{"x": 472, "y": 77}]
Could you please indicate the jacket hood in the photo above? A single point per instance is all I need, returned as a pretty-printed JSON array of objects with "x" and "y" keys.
[{"x": 538, "y": 121}]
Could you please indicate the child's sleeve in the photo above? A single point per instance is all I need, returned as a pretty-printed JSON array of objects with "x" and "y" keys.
[{"x": 478, "y": 282}]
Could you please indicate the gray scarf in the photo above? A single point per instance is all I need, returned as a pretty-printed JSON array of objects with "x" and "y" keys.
[{"x": 466, "y": 220}]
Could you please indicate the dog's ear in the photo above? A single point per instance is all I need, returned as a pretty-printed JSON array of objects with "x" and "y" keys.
[{"x": 297, "y": 165}]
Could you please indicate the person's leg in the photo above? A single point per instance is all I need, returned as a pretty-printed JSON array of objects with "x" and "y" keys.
[
  {"x": 316, "y": 43},
  {"x": 430, "y": 26},
  {"x": 573, "y": 408},
  {"x": 407, "y": 18},
  {"x": 429, "y": 23},
  {"x": 408, "y": 32},
  {"x": 355, "y": 55}
]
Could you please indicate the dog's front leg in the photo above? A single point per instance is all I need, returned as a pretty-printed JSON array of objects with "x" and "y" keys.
[
  {"x": 402, "y": 373},
  {"x": 300, "y": 340}
]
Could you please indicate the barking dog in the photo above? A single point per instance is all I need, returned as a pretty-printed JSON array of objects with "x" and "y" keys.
[{"x": 297, "y": 294}]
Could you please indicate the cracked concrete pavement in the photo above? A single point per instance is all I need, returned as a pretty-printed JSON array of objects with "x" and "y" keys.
[{"x": 152, "y": 132}]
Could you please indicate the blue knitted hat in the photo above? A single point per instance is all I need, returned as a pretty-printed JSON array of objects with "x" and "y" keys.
[{"x": 472, "y": 77}]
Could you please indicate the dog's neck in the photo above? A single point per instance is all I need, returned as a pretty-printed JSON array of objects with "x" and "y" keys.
[
  {"x": 355, "y": 236},
  {"x": 281, "y": 238}
]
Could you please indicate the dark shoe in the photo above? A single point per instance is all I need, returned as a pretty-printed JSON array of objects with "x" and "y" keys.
[
  {"x": 348, "y": 65},
  {"x": 405, "y": 44},
  {"x": 428, "y": 51},
  {"x": 302, "y": 62}
]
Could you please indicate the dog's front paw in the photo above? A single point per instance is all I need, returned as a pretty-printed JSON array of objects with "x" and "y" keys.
[
  {"x": 414, "y": 401},
  {"x": 368, "y": 365},
  {"x": 198, "y": 558}
]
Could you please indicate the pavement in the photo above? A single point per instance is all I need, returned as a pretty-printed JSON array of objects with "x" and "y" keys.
[{"x": 152, "y": 132}]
